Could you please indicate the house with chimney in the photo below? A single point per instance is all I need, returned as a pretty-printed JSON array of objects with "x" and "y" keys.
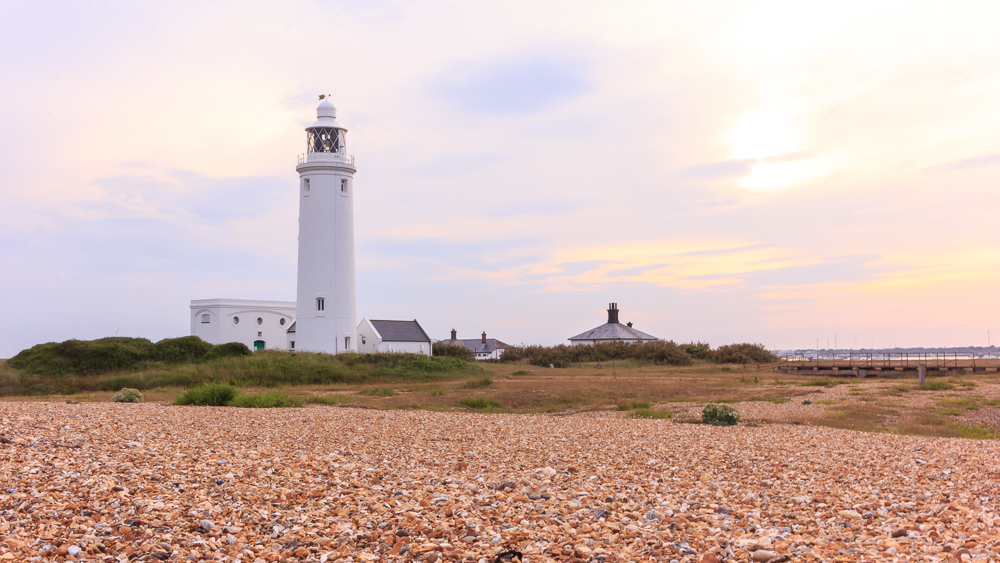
[
  {"x": 611, "y": 331},
  {"x": 482, "y": 348}
]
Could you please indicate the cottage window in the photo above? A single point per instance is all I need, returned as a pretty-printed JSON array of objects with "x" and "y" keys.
[{"x": 320, "y": 304}]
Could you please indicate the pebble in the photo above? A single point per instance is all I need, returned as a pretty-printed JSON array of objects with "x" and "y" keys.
[{"x": 340, "y": 484}]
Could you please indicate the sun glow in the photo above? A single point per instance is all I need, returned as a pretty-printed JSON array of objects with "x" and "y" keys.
[{"x": 777, "y": 175}]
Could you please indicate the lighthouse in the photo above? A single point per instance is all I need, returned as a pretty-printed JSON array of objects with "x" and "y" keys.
[{"x": 326, "y": 311}]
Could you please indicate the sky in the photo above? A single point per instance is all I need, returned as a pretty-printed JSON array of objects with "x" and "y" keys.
[{"x": 797, "y": 174}]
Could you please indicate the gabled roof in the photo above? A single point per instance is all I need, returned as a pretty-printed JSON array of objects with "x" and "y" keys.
[
  {"x": 400, "y": 331},
  {"x": 613, "y": 331},
  {"x": 477, "y": 346}
]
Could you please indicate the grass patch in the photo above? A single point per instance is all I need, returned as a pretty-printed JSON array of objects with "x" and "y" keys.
[
  {"x": 521, "y": 372},
  {"x": 632, "y": 405},
  {"x": 978, "y": 432},
  {"x": 950, "y": 412},
  {"x": 211, "y": 395},
  {"x": 265, "y": 401},
  {"x": 965, "y": 383},
  {"x": 377, "y": 392},
  {"x": 479, "y": 403},
  {"x": 777, "y": 400},
  {"x": 819, "y": 383},
  {"x": 325, "y": 399},
  {"x": 434, "y": 391},
  {"x": 651, "y": 413},
  {"x": 826, "y": 402},
  {"x": 967, "y": 403},
  {"x": 936, "y": 386},
  {"x": 477, "y": 383},
  {"x": 896, "y": 390}
]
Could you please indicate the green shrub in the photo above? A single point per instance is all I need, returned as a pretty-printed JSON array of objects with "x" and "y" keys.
[
  {"x": 179, "y": 350},
  {"x": 479, "y": 403},
  {"x": 521, "y": 372},
  {"x": 745, "y": 353},
  {"x": 630, "y": 405},
  {"x": 441, "y": 349},
  {"x": 651, "y": 413},
  {"x": 210, "y": 395},
  {"x": 719, "y": 415},
  {"x": 819, "y": 383},
  {"x": 663, "y": 352},
  {"x": 228, "y": 350},
  {"x": 377, "y": 392},
  {"x": 265, "y": 401},
  {"x": 478, "y": 382},
  {"x": 698, "y": 350},
  {"x": 127, "y": 396}
]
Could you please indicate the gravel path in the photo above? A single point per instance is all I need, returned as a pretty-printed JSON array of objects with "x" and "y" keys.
[{"x": 110, "y": 482}]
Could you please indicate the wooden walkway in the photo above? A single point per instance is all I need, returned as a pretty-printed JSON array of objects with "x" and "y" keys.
[{"x": 867, "y": 364}]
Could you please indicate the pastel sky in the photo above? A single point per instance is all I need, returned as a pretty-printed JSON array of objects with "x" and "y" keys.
[{"x": 777, "y": 172}]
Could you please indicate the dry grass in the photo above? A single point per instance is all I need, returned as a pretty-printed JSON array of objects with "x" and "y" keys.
[{"x": 874, "y": 404}]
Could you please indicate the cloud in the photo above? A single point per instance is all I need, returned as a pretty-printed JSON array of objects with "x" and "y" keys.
[
  {"x": 520, "y": 84},
  {"x": 976, "y": 162}
]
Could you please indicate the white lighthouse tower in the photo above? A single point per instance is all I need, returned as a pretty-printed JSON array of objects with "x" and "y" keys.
[{"x": 326, "y": 312}]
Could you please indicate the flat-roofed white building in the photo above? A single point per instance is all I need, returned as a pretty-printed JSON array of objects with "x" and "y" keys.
[{"x": 258, "y": 324}]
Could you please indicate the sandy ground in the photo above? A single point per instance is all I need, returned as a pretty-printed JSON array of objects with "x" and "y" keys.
[{"x": 116, "y": 482}]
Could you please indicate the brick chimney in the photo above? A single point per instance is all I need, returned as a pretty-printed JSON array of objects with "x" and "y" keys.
[
  {"x": 484, "y": 337},
  {"x": 454, "y": 334},
  {"x": 612, "y": 313}
]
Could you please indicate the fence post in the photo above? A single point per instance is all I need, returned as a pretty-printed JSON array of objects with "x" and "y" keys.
[{"x": 922, "y": 373}]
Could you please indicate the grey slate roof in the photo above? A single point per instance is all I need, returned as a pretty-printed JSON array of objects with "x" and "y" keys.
[
  {"x": 613, "y": 331},
  {"x": 400, "y": 331},
  {"x": 477, "y": 346}
]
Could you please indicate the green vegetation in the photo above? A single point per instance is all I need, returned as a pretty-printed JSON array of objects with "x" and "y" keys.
[
  {"x": 651, "y": 413},
  {"x": 325, "y": 399},
  {"x": 777, "y": 400},
  {"x": 211, "y": 395},
  {"x": 478, "y": 382},
  {"x": 377, "y": 392},
  {"x": 127, "y": 396},
  {"x": 265, "y": 401},
  {"x": 631, "y": 405},
  {"x": 657, "y": 352},
  {"x": 479, "y": 403},
  {"x": 521, "y": 372},
  {"x": 936, "y": 386},
  {"x": 88, "y": 357},
  {"x": 896, "y": 390},
  {"x": 440, "y": 349},
  {"x": 745, "y": 353},
  {"x": 978, "y": 432},
  {"x": 111, "y": 364},
  {"x": 719, "y": 415}
]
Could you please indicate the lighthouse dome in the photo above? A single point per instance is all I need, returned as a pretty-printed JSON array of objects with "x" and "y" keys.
[{"x": 326, "y": 109}]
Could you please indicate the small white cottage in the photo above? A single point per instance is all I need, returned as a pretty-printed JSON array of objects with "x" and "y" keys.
[
  {"x": 393, "y": 336},
  {"x": 482, "y": 348},
  {"x": 611, "y": 331}
]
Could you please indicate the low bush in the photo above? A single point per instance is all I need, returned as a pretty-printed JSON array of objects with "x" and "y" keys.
[
  {"x": 265, "y": 401},
  {"x": 745, "y": 353},
  {"x": 719, "y": 415},
  {"x": 630, "y": 405},
  {"x": 377, "y": 392},
  {"x": 441, "y": 349},
  {"x": 819, "y": 383},
  {"x": 479, "y": 403},
  {"x": 478, "y": 382},
  {"x": 210, "y": 395},
  {"x": 521, "y": 372},
  {"x": 127, "y": 396}
]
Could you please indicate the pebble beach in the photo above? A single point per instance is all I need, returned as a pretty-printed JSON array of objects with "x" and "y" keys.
[{"x": 152, "y": 482}]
